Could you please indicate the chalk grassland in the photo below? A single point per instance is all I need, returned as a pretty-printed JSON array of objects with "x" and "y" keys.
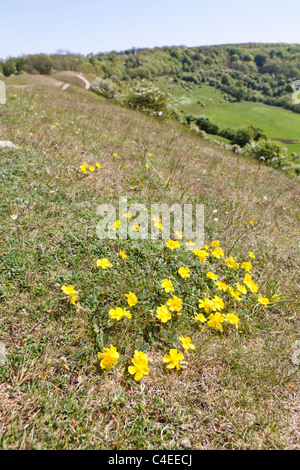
[
  {"x": 277, "y": 123},
  {"x": 240, "y": 388}
]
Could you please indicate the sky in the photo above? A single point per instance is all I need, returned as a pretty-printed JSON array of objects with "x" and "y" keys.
[{"x": 85, "y": 26}]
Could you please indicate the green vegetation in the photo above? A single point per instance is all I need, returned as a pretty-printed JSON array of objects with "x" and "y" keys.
[
  {"x": 238, "y": 387},
  {"x": 251, "y": 72},
  {"x": 235, "y": 86}
]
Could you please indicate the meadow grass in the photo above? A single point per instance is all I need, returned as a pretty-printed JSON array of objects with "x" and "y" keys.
[
  {"x": 239, "y": 388},
  {"x": 277, "y": 123}
]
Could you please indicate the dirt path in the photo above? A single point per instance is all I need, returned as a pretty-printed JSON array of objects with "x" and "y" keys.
[
  {"x": 45, "y": 80},
  {"x": 87, "y": 83}
]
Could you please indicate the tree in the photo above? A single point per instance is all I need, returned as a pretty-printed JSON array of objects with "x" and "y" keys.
[{"x": 260, "y": 59}]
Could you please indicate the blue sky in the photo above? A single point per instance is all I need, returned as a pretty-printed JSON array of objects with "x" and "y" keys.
[{"x": 31, "y": 26}]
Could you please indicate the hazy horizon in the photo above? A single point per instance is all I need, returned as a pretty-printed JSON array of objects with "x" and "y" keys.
[{"x": 65, "y": 51}]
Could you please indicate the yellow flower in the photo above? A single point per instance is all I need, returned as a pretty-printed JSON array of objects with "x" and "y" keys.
[
  {"x": 207, "y": 304},
  {"x": 122, "y": 254},
  {"x": 83, "y": 168},
  {"x": 249, "y": 283},
  {"x": 172, "y": 244},
  {"x": 103, "y": 263},
  {"x": 127, "y": 215},
  {"x": 167, "y": 285},
  {"x": 136, "y": 227},
  {"x": 263, "y": 300},
  {"x": 115, "y": 154},
  {"x": 149, "y": 154},
  {"x": 217, "y": 303},
  {"x": 184, "y": 272},
  {"x": 212, "y": 276},
  {"x": 251, "y": 255},
  {"x": 173, "y": 359},
  {"x": 217, "y": 252},
  {"x": 118, "y": 313},
  {"x": 163, "y": 314},
  {"x": 156, "y": 219},
  {"x": 175, "y": 304},
  {"x": 186, "y": 342},
  {"x": 73, "y": 298},
  {"x": 158, "y": 225},
  {"x": 275, "y": 298},
  {"x": 140, "y": 365},
  {"x": 131, "y": 299},
  {"x": 200, "y": 317},
  {"x": 253, "y": 287},
  {"x": 246, "y": 265},
  {"x": 251, "y": 222},
  {"x": 215, "y": 320},
  {"x": 241, "y": 288},
  {"x": 215, "y": 243},
  {"x": 222, "y": 286},
  {"x": 98, "y": 165},
  {"x": 147, "y": 165},
  {"x": 92, "y": 168},
  {"x": 235, "y": 293},
  {"x": 202, "y": 254},
  {"x": 179, "y": 235},
  {"x": 206, "y": 247},
  {"x": 232, "y": 319},
  {"x": 69, "y": 290},
  {"x": 230, "y": 262},
  {"x": 116, "y": 224},
  {"x": 57, "y": 123},
  {"x": 109, "y": 358}
]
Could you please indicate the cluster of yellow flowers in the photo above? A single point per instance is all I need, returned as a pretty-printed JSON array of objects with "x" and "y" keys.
[
  {"x": 140, "y": 359},
  {"x": 84, "y": 167},
  {"x": 213, "y": 308}
]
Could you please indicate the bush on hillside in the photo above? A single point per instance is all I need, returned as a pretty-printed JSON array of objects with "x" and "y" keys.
[
  {"x": 147, "y": 98},
  {"x": 39, "y": 64},
  {"x": 104, "y": 88},
  {"x": 205, "y": 124},
  {"x": 269, "y": 152}
]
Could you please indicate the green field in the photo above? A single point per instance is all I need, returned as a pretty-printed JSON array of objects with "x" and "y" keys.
[{"x": 278, "y": 123}]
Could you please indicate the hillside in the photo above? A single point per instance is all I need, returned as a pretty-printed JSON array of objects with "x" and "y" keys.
[
  {"x": 233, "y": 86},
  {"x": 251, "y": 72},
  {"x": 238, "y": 389}
]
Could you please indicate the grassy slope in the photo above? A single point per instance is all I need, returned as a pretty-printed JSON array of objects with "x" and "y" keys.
[
  {"x": 240, "y": 389},
  {"x": 278, "y": 123}
]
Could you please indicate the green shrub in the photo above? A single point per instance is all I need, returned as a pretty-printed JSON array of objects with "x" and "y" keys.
[
  {"x": 147, "y": 98},
  {"x": 205, "y": 124},
  {"x": 39, "y": 64},
  {"x": 226, "y": 79},
  {"x": 228, "y": 134},
  {"x": 269, "y": 152},
  {"x": 104, "y": 88},
  {"x": 9, "y": 67}
]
